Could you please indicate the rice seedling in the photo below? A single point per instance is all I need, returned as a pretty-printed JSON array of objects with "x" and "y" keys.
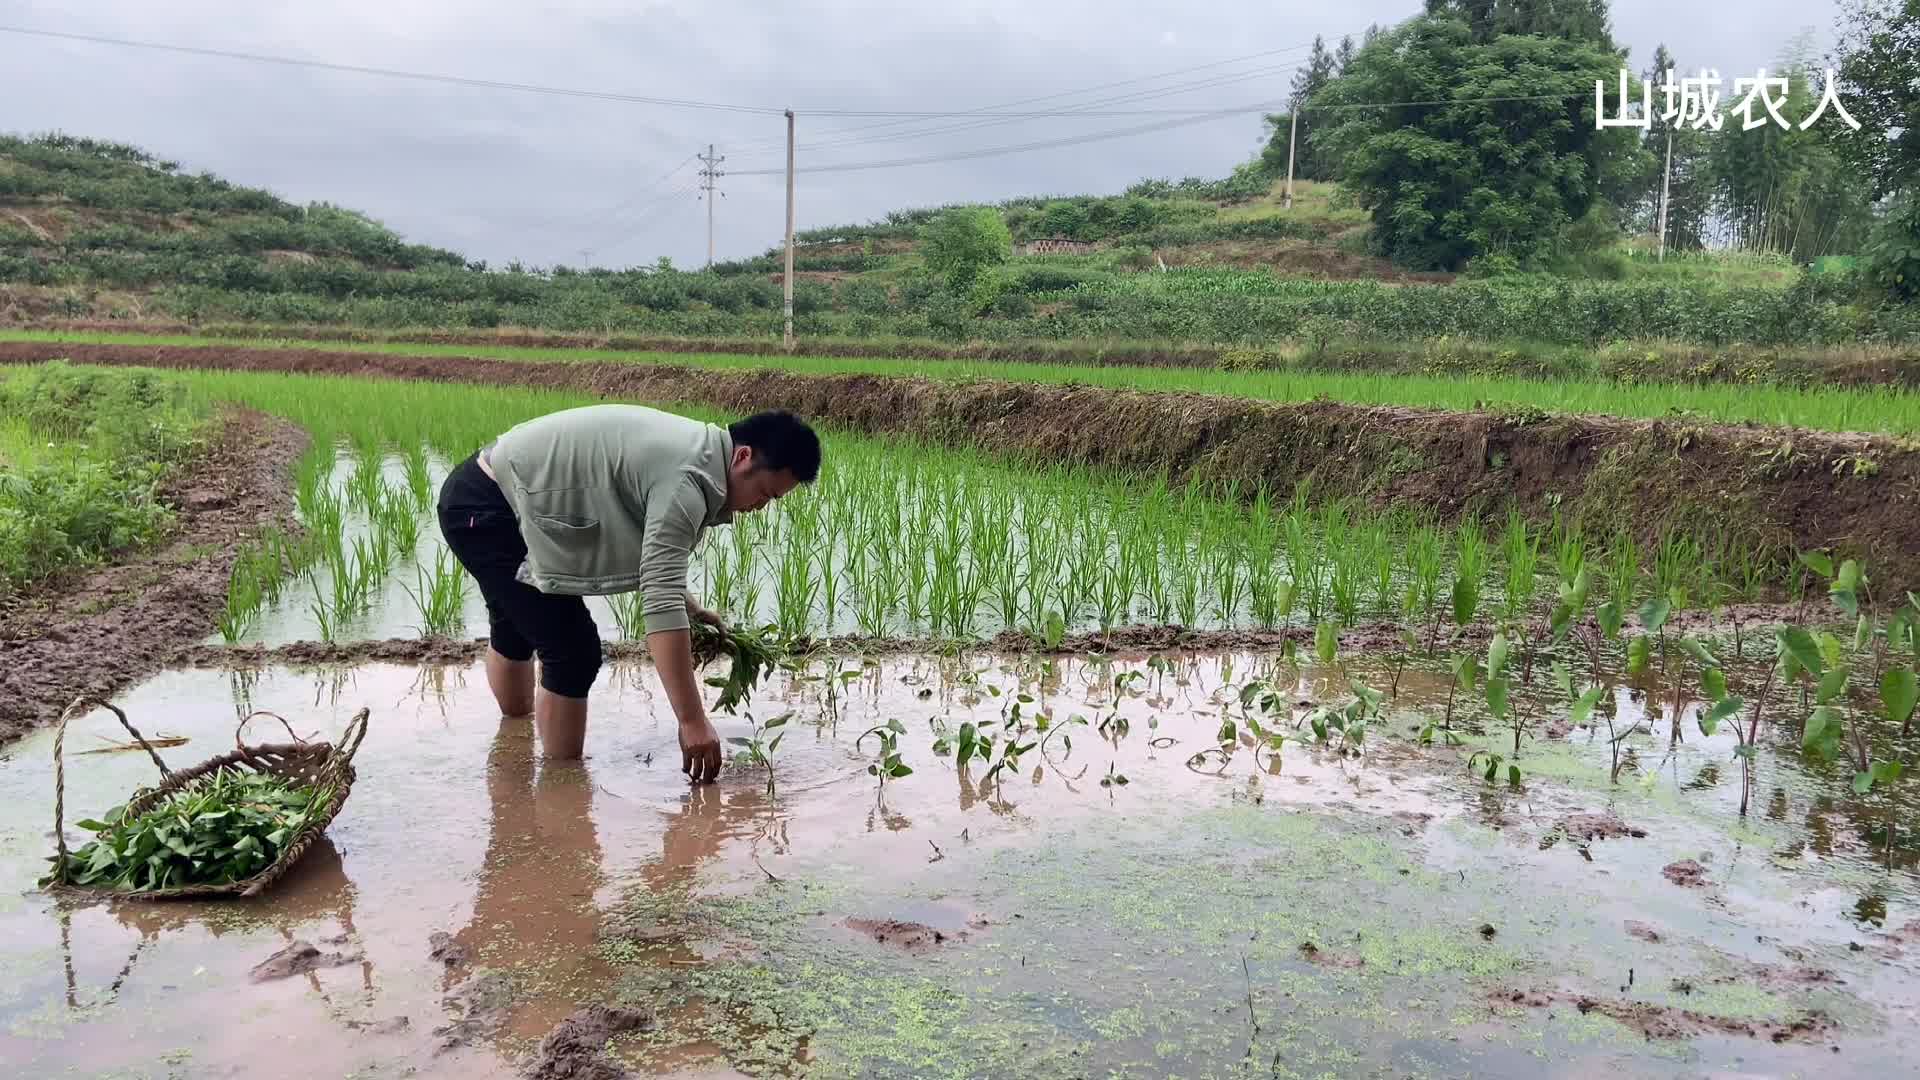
[
  {"x": 419, "y": 484},
  {"x": 628, "y": 619},
  {"x": 441, "y": 597},
  {"x": 1223, "y": 566},
  {"x": 1345, "y": 583},
  {"x": 795, "y": 588},
  {"x": 1424, "y": 564},
  {"x": 1379, "y": 548},
  {"x": 1187, "y": 587},
  {"x": 365, "y": 484},
  {"x": 1469, "y": 573},
  {"x": 398, "y": 518}
]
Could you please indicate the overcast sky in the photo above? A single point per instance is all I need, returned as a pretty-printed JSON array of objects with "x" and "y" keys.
[{"x": 499, "y": 174}]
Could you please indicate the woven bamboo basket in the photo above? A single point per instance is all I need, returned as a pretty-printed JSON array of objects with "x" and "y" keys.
[{"x": 309, "y": 763}]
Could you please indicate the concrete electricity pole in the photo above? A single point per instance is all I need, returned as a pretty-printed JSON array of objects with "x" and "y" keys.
[
  {"x": 1666, "y": 187},
  {"x": 708, "y": 174},
  {"x": 787, "y": 278},
  {"x": 1293, "y": 130}
]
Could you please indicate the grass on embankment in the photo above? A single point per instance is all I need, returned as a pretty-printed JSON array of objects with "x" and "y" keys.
[
  {"x": 82, "y": 455},
  {"x": 1885, "y": 411}
]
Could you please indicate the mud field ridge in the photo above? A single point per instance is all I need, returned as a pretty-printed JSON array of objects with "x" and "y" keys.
[{"x": 96, "y": 631}]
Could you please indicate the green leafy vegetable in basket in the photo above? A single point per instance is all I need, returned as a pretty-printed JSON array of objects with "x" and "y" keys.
[
  {"x": 754, "y": 653},
  {"x": 226, "y": 826}
]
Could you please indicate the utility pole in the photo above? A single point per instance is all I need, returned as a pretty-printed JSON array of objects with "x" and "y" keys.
[
  {"x": 1293, "y": 131},
  {"x": 1666, "y": 187},
  {"x": 586, "y": 258},
  {"x": 787, "y": 278},
  {"x": 708, "y": 175}
]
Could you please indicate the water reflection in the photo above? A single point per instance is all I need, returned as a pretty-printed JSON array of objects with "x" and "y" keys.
[
  {"x": 708, "y": 817},
  {"x": 534, "y": 901}
]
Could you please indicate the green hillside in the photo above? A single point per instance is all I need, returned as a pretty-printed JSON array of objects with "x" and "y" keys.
[
  {"x": 94, "y": 231},
  {"x": 98, "y": 228}
]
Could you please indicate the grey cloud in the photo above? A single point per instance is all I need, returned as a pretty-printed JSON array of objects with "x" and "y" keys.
[{"x": 499, "y": 175}]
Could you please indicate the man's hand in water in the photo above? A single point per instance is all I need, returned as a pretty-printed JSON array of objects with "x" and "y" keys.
[
  {"x": 672, "y": 654},
  {"x": 700, "y": 750}
]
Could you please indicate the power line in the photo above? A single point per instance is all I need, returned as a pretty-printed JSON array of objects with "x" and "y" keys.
[
  {"x": 1071, "y": 113},
  {"x": 598, "y": 219},
  {"x": 994, "y": 151},
  {"x": 648, "y": 220},
  {"x": 393, "y": 73},
  {"x": 1441, "y": 101},
  {"x": 1117, "y": 133},
  {"x": 1068, "y": 93},
  {"x": 534, "y": 88}
]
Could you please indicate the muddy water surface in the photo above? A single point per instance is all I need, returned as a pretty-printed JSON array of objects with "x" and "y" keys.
[{"x": 1110, "y": 906}]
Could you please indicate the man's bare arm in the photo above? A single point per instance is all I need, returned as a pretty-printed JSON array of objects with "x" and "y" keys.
[{"x": 672, "y": 652}]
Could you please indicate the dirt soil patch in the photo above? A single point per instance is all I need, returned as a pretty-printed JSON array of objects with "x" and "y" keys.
[
  {"x": 481, "y": 1002},
  {"x": 1771, "y": 490},
  {"x": 1583, "y": 829},
  {"x": 1329, "y": 958},
  {"x": 576, "y": 1049},
  {"x": 1686, "y": 872},
  {"x": 442, "y": 947},
  {"x": 911, "y": 936},
  {"x": 298, "y": 959},
  {"x": 1668, "y": 1022},
  {"x": 96, "y": 631}
]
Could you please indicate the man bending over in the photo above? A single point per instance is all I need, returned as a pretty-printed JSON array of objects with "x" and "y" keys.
[{"x": 599, "y": 500}]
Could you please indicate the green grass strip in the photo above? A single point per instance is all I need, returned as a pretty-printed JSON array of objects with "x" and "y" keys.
[{"x": 1878, "y": 410}]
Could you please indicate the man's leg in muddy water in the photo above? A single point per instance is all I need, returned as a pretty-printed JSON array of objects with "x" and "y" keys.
[
  {"x": 511, "y": 682},
  {"x": 561, "y": 722}
]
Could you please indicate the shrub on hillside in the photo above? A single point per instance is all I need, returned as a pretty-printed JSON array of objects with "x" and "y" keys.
[
  {"x": 958, "y": 244},
  {"x": 1892, "y": 257}
]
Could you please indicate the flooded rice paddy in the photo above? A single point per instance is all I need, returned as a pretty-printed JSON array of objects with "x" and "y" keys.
[{"x": 1112, "y": 907}]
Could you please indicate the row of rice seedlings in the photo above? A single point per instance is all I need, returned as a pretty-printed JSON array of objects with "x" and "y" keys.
[
  {"x": 899, "y": 538},
  {"x": 260, "y": 572},
  {"x": 343, "y": 576},
  {"x": 916, "y": 550}
]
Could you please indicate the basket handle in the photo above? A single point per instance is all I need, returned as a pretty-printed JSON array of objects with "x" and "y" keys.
[
  {"x": 349, "y": 744},
  {"x": 81, "y": 705},
  {"x": 262, "y": 712}
]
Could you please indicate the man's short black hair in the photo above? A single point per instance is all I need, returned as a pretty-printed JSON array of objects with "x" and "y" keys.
[{"x": 780, "y": 440}]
